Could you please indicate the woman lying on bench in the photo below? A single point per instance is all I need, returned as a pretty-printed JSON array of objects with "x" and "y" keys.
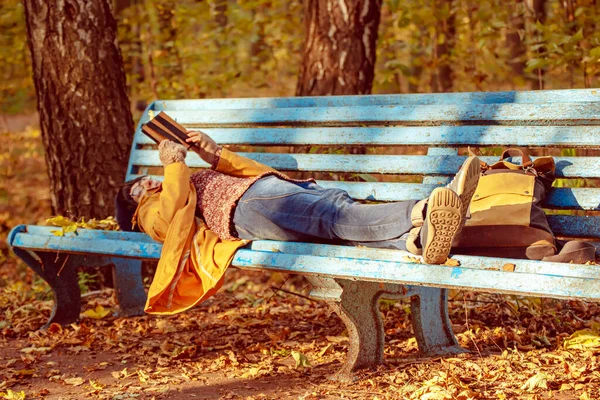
[{"x": 203, "y": 218}]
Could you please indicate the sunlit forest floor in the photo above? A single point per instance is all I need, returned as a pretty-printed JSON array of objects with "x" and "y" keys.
[{"x": 259, "y": 338}]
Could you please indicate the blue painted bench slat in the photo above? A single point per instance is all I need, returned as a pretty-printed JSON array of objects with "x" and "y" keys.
[
  {"x": 576, "y": 198},
  {"x": 43, "y": 230},
  {"x": 575, "y": 226},
  {"x": 411, "y": 136},
  {"x": 102, "y": 245},
  {"x": 571, "y": 167},
  {"x": 508, "y": 113},
  {"x": 471, "y": 262},
  {"x": 542, "y": 96},
  {"x": 352, "y": 279},
  {"x": 563, "y": 286},
  {"x": 116, "y": 244}
]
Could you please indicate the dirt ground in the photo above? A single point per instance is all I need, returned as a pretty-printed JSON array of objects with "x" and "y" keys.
[{"x": 254, "y": 342}]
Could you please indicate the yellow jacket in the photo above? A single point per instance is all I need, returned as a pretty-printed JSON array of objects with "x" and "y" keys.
[{"x": 193, "y": 259}]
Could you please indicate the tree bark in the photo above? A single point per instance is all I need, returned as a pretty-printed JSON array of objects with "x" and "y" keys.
[
  {"x": 417, "y": 54},
  {"x": 85, "y": 117},
  {"x": 569, "y": 7},
  {"x": 132, "y": 50},
  {"x": 120, "y": 5},
  {"x": 168, "y": 42},
  {"x": 446, "y": 38},
  {"x": 220, "y": 12},
  {"x": 339, "y": 47},
  {"x": 259, "y": 46},
  {"x": 538, "y": 10},
  {"x": 516, "y": 45}
]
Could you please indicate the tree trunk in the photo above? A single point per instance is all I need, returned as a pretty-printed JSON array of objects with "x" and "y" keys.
[
  {"x": 84, "y": 113},
  {"x": 220, "y": 11},
  {"x": 446, "y": 37},
  {"x": 168, "y": 42},
  {"x": 339, "y": 48},
  {"x": 569, "y": 7},
  {"x": 120, "y": 5},
  {"x": 471, "y": 67},
  {"x": 132, "y": 50},
  {"x": 539, "y": 10},
  {"x": 417, "y": 54},
  {"x": 259, "y": 46},
  {"x": 539, "y": 15},
  {"x": 514, "y": 41}
]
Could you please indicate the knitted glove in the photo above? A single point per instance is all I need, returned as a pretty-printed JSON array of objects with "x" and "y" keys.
[{"x": 171, "y": 152}]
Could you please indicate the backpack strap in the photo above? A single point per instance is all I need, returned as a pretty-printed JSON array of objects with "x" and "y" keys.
[{"x": 514, "y": 152}]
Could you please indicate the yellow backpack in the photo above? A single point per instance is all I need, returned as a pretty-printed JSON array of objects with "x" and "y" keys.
[{"x": 506, "y": 215}]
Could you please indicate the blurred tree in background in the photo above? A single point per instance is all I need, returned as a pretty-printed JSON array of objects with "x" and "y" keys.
[
  {"x": 17, "y": 93},
  {"x": 241, "y": 48},
  {"x": 212, "y": 48},
  {"x": 340, "y": 47}
]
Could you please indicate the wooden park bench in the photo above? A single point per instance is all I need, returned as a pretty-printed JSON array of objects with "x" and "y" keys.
[{"x": 352, "y": 279}]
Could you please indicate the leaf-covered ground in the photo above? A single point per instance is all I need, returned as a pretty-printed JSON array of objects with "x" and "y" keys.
[
  {"x": 252, "y": 341},
  {"x": 258, "y": 338}
]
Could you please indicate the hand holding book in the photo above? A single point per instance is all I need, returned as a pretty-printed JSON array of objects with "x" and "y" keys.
[
  {"x": 204, "y": 145},
  {"x": 162, "y": 127}
]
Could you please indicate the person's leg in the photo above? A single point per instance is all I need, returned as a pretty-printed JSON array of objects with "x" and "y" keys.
[
  {"x": 276, "y": 209},
  {"x": 279, "y": 210}
]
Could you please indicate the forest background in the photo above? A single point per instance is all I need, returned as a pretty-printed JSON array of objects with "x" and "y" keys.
[
  {"x": 522, "y": 347},
  {"x": 218, "y": 48}
]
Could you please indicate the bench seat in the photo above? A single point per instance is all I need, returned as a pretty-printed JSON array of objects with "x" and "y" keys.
[{"x": 529, "y": 277}]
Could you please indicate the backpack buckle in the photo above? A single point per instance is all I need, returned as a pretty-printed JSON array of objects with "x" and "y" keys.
[{"x": 530, "y": 170}]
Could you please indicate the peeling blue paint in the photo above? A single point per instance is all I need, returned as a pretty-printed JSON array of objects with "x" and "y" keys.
[{"x": 456, "y": 272}]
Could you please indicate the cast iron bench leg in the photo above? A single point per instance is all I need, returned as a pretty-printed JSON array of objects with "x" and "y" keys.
[
  {"x": 60, "y": 271},
  {"x": 359, "y": 309},
  {"x": 357, "y": 304},
  {"x": 127, "y": 275},
  {"x": 127, "y": 278},
  {"x": 431, "y": 325}
]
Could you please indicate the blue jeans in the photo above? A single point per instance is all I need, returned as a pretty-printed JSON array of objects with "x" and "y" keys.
[{"x": 275, "y": 209}]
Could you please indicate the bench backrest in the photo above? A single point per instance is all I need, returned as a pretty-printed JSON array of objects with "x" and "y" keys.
[{"x": 408, "y": 137}]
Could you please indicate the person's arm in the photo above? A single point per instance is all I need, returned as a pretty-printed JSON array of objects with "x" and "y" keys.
[
  {"x": 223, "y": 160},
  {"x": 234, "y": 164},
  {"x": 205, "y": 146},
  {"x": 157, "y": 212}
]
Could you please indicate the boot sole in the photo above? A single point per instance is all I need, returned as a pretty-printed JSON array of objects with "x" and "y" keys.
[
  {"x": 467, "y": 184},
  {"x": 444, "y": 219}
]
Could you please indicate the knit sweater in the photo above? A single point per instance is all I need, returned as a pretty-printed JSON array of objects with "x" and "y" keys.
[{"x": 218, "y": 195}]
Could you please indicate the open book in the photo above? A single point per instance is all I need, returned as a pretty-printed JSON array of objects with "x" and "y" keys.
[{"x": 162, "y": 127}]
